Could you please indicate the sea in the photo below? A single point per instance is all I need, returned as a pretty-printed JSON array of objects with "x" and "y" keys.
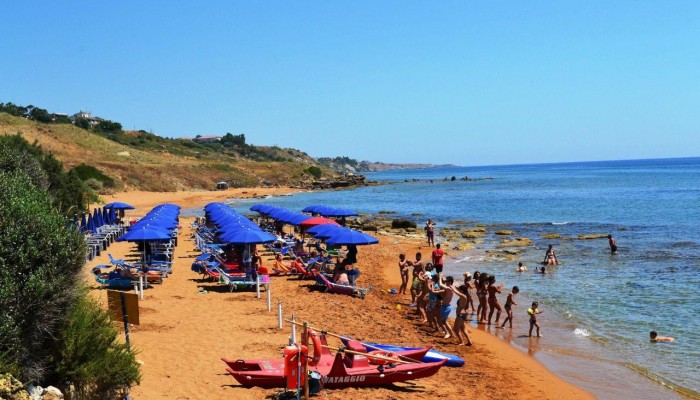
[{"x": 598, "y": 307}]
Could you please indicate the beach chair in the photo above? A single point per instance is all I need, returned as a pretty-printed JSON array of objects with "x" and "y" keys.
[
  {"x": 234, "y": 282},
  {"x": 332, "y": 287}
]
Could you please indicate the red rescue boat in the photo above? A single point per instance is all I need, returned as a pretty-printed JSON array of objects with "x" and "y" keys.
[{"x": 345, "y": 369}]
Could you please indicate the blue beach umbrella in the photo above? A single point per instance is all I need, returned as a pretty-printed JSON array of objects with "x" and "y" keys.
[
  {"x": 324, "y": 231},
  {"x": 112, "y": 216},
  {"x": 145, "y": 233},
  {"x": 83, "y": 223},
  {"x": 340, "y": 212},
  {"x": 248, "y": 236},
  {"x": 350, "y": 237},
  {"x": 90, "y": 224},
  {"x": 118, "y": 205}
]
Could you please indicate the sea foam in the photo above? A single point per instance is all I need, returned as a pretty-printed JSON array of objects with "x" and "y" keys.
[{"x": 581, "y": 332}]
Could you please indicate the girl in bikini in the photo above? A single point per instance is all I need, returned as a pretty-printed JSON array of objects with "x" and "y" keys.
[
  {"x": 510, "y": 302},
  {"x": 417, "y": 270},
  {"x": 403, "y": 270},
  {"x": 460, "y": 328},
  {"x": 468, "y": 291},
  {"x": 481, "y": 291},
  {"x": 493, "y": 300}
]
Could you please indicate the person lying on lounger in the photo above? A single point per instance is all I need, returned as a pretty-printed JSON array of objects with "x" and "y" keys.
[{"x": 278, "y": 266}]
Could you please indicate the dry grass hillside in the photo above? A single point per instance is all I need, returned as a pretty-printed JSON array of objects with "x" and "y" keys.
[{"x": 158, "y": 169}]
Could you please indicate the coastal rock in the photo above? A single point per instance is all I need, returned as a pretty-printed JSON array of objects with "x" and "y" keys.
[
  {"x": 474, "y": 234},
  {"x": 517, "y": 242},
  {"x": 552, "y": 236},
  {"x": 465, "y": 246},
  {"x": 52, "y": 393},
  {"x": 402, "y": 223},
  {"x": 35, "y": 392},
  {"x": 504, "y": 232},
  {"x": 592, "y": 236},
  {"x": 12, "y": 389}
]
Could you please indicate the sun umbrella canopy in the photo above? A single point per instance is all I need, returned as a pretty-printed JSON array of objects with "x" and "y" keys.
[
  {"x": 118, "y": 205},
  {"x": 350, "y": 237},
  {"x": 324, "y": 231},
  {"x": 249, "y": 236},
  {"x": 313, "y": 221},
  {"x": 145, "y": 234},
  {"x": 339, "y": 212}
]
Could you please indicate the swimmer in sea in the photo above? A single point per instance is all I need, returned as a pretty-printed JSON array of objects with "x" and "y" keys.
[
  {"x": 654, "y": 337},
  {"x": 510, "y": 302},
  {"x": 613, "y": 244},
  {"x": 532, "y": 312},
  {"x": 521, "y": 267}
]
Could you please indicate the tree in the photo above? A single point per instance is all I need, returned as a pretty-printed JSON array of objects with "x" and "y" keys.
[
  {"x": 67, "y": 191},
  {"x": 107, "y": 126},
  {"x": 40, "y": 263},
  {"x": 82, "y": 123}
]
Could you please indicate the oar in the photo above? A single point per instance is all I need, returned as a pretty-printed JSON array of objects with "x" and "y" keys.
[
  {"x": 378, "y": 357},
  {"x": 335, "y": 335}
]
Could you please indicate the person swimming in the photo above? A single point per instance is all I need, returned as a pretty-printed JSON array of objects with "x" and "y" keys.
[{"x": 654, "y": 337}]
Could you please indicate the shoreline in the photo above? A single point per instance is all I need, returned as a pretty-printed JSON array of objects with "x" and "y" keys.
[{"x": 489, "y": 361}]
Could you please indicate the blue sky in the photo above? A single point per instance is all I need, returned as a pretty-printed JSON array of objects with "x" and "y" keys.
[{"x": 464, "y": 82}]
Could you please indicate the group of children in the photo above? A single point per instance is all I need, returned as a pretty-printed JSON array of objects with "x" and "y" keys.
[{"x": 432, "y": 294}]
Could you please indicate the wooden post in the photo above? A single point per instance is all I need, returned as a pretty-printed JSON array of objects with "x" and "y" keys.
[
  {"x": 257, "y": 286},
  {"x": 279, "y": 313},
  {"x": 294, "y": 330},
  {"x": 269, "y": 298}
]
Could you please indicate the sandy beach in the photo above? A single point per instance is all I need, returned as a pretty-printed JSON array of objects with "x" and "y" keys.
[{"x": 183, "y": 332}]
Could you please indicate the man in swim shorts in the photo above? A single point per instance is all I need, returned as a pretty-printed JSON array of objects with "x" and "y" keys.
[
  {"x": 446, "y": 306},
  {"x": 613, "y": 244},
  {"x": 438, "y": 254}
]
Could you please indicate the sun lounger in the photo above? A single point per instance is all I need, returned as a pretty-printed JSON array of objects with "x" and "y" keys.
[
  {"x": 234, "y": 282},
  {"x": 332, "y": 287}
]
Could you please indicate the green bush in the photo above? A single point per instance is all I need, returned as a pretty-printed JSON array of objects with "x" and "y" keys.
[
  {"x": 40, "y": 263},
  {"x": 90, "y": 357},
  {"x": 67, "y": 192},
  {"x": 314, "y": 171},
  {"x": 86, "y": 172}
]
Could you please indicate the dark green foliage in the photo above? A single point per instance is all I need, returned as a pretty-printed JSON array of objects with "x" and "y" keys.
[
  {"x": 90, "y": 357},
  {"x": 314, "y": 171},
  {"x": 233, "y": 140},
  {"x": 82, "y": 123},
  {"x": 40, "y": 261},
  {"x": 106, "y": 126},
  {"x": 402, "y": 224},
  {"x": 86, "y": 172},
  {"x": 67, "y": 191},
  {"x": 31, "y": 112}
]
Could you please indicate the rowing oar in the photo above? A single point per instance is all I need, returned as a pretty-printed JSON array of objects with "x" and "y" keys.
[
  {"x": 335, "y": 335},
  {"x": 357, "y": 353}
]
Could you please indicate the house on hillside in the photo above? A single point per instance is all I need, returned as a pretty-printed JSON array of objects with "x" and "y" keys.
[
  {"x": 92, "y": 120},
  {"x": 207, "y": 139}
]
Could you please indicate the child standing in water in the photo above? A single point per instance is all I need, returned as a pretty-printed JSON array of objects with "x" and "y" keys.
[
  {"x": 532, "y": 312},
  {"x": 510, "y": 302}
]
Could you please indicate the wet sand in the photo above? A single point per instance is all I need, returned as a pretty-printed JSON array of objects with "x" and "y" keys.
[{"x": 184, "y": 333}]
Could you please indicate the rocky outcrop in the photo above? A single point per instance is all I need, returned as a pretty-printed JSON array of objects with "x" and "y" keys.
[{"x": 12, "y": 389}]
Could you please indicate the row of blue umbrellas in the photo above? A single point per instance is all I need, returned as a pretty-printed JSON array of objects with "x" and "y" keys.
[
  {"x": 91, "y": 222},
  {"x": 328, "y": 211},
  {"x": 280, "y": 214},
  {"x": 158, "y": 224},
  {"x": 235, "y": 228},
  {"x": 338, "y": 235}
]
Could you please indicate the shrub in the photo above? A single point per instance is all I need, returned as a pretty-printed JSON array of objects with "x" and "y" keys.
[
  {"x": 40, "y": 261},
  {"x": 87, "y": 172},
  {"x": 67, "y": 191},
  {"x": 402, "y": 223},
  {"x": 90, "y": 357},
  {"x": 314, "y": 171}
]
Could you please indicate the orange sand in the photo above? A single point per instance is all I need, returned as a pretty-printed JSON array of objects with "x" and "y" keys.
[{"x": 183, "y": 333}]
